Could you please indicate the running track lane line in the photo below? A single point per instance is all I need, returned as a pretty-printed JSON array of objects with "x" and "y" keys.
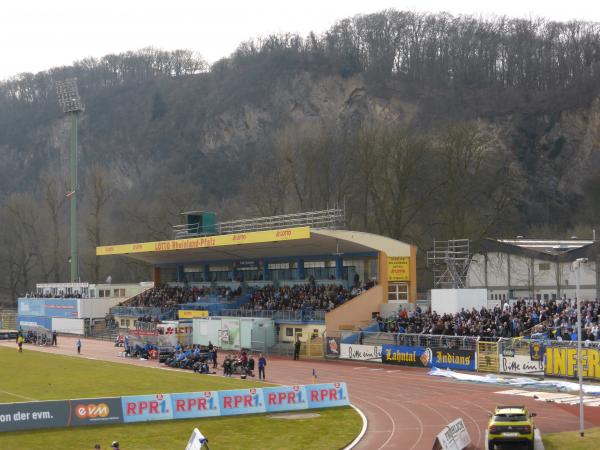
[
  {"x": 387, "y": 414},
  {"x": 362, "y": 431},
  {"x": 421, "y": 425}
]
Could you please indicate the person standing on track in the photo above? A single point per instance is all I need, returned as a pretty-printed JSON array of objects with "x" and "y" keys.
[
  {"x": 262, "y": 363},
  {"x": 20, "y": 343},
  {"x": 78, "y": 346},
  {"x": 54, "y": 335}
]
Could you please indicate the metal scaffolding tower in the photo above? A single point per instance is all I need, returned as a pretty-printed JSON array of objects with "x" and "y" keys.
[{"x": 449, "y": 261}]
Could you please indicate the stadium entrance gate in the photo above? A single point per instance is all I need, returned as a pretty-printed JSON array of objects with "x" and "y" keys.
[{"x": 488, "y": 360}]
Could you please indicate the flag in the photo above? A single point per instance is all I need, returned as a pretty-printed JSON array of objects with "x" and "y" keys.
[{"x": 314, "y": 376}]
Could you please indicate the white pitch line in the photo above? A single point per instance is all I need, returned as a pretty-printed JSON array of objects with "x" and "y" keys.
[{"x": 19, "y": 396}]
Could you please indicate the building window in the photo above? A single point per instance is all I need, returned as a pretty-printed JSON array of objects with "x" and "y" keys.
[
  {"x": 298, "y": 332},
  {"x": 544, "y": 266},
  {"x": 398, "y": 291},
  {"x": 538, "y": 297},
  {"x": 289, "y": 332},
  {"x": 545, "y": 296}
]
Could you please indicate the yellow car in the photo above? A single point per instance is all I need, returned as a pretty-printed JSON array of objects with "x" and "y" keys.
[{"x": 511, "y": 424}]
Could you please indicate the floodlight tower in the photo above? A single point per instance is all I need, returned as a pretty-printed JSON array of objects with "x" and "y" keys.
[{"x": 68, "y": 98}]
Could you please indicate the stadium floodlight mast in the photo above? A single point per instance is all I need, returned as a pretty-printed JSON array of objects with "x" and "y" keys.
[
  {"x": 577, "y": 267},
  {"x": 68, "y": 99}
]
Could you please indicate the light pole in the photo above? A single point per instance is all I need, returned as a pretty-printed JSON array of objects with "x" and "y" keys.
[
  {"x": 68, "y": 98},
  {"x": 577, "y": 266}
]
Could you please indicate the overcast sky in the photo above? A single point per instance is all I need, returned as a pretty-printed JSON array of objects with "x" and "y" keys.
[{"x": 36, "y": 35}]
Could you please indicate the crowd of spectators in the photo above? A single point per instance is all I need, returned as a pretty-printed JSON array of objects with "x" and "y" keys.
[
  {"x": 302, "y": 297},
  {"x": 554, "y": 319},
  {"x": 168, "y": 296},
  {"x": 297, "y": 297}
]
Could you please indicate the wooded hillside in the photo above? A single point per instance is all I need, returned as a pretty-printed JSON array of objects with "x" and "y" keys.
[{"x": 423, "y": 125}]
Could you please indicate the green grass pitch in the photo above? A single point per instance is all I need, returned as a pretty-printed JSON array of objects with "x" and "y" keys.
[{"x": 41, "y": 376}]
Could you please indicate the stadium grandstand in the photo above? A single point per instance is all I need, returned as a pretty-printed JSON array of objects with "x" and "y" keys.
[{"x": 303, "y": 271}]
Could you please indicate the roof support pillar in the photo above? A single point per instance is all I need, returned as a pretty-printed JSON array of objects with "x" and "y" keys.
[
  {"x": 339, "y": 267},
  {"x": 301, "y": 275}
]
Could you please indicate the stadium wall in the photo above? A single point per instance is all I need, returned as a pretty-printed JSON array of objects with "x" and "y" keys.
[{"x": 357, "y": 312}]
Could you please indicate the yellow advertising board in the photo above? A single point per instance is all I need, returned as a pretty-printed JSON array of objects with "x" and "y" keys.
[
  {"x": 398, "y": 268},
  {"x": 191, "y": 313},
  {"x": 562, "y": 362},
  {"x": 253, "y": 237}
]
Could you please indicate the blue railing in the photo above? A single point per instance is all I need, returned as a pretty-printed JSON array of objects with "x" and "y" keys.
[{"x": 282, "y": 316}]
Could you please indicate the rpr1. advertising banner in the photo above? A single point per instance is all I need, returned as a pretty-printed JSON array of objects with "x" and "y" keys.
[
  {"x": 520, "y": 364},
  {"x": 327, "y": 395},
  {"x": 285, "y": 398},
  {"x": 241, "y": 401},
  {"x": 441, "y": 358},
  {"x": 142, "y": 408},
  {"x": 361, "y": 352},
  {"x": 195, "y": 404}
]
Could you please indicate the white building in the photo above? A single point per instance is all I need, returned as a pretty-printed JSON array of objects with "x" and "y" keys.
[{"x": 540, "y": 269}]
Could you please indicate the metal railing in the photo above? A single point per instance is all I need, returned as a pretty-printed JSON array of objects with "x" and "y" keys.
[
  {"x": 137, "y": 311},
  {"x": 328, "y": 218},
  {"x": 409, "y": 340},
  {"x": 292, "y": 316}
]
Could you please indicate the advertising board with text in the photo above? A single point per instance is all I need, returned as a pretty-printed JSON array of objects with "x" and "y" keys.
[
  {"x": 441, "y": 358},
  {"x": 191, "y": 313},
  {"x": 327, "y": 395},
  {"x": 361, "y": 352},
  {"x": 253, "y": 237},
  {"x": 241, "y": 401},
  {"x": 143, "y": 408},
  {"x": 398, "y": 268},
  {"x": 285, "y": 398},
  {"x": 562, "y": 362},
  {"x": 521, "y": 365}
]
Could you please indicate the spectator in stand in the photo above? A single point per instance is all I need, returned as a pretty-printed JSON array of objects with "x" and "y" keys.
[
  {"x": 305, "y": 298},
  {"x": 554, "y": 319}
]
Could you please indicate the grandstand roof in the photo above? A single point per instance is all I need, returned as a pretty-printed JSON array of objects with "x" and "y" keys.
[
  {"x": 551, "y": 250},
  {"x": 301, "y": 241}
]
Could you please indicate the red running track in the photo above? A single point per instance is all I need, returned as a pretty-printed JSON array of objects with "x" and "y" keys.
[{"x": 405, "y": 407}]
